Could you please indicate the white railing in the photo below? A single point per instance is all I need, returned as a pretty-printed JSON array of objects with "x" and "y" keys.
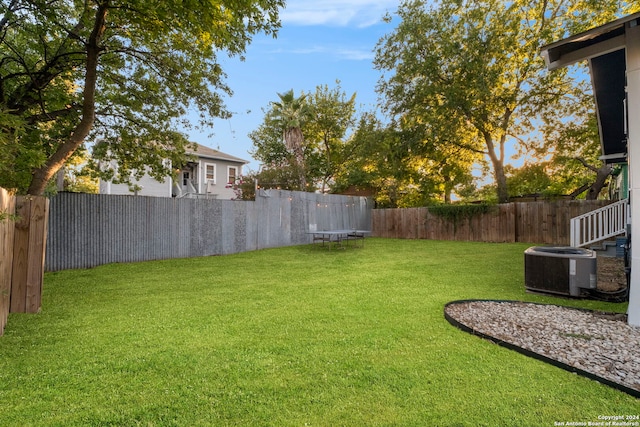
[{"x": 601, "y": 224}]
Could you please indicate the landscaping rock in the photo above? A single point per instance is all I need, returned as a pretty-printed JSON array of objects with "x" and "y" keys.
[{"x": 600, "y": 344}]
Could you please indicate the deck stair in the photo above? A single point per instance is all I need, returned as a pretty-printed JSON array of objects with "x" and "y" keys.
[
  {"x": 610, "y": 248},
  {"x": 600, "y": 225}
]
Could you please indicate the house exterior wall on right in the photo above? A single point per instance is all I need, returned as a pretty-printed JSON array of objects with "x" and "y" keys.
[
  {"x": 632, "y": 40},
  {"x": 621, "y": 35}
]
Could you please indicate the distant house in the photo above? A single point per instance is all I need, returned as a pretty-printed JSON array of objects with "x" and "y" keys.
[{"x": 211, "y": 174}]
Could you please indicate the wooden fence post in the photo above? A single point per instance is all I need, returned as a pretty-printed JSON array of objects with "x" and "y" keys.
[
  {"x": 7, "y": 210},
  {"x": 28, "y": 253}
]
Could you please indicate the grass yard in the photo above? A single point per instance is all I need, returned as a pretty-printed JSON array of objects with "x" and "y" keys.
[{"x": 287, "y": 337}]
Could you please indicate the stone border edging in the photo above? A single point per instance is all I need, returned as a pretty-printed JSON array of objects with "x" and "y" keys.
[{"x": 529, "y": 353}]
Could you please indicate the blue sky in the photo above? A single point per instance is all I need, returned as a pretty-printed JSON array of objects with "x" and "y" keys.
[{"x": 320, "y": 41}]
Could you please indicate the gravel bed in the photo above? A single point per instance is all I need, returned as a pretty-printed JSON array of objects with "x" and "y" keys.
[{"x": 600, "y": 344}]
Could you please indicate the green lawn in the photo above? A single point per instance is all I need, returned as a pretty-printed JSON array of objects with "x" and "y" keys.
[{"x": 287, "y": 337}]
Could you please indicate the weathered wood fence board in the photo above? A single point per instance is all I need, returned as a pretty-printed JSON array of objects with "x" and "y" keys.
[
  {"x": 7, "y": 210},
  {"x": 30, "y": 240},
  {"x": 545, "y": 222},
  {"x": 23, "y": 236}
]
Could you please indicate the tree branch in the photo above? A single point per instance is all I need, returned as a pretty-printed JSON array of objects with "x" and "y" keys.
[
  {"x": 587, "y": 165},
  {"x": 51, "y": 115},
  {"x": 42, "y": 175}
]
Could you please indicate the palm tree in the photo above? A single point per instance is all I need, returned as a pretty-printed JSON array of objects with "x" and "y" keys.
[{"x": 291, "y": 112}]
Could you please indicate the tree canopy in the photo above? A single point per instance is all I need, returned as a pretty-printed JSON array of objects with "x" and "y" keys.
[
  {"x": 121, "y": 72},
  {"x": 305, "y": 136},
  {"x": 468, "y": 74}
]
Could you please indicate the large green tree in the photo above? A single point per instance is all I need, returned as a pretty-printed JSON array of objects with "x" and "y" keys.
[
  {"x": 332, "y": 116},
  {"x": 375, "y": 163},
  {"x": 472, "y": 70},
  {"x": 306, "y": 136},
  {"x": 123, "y": 72}
]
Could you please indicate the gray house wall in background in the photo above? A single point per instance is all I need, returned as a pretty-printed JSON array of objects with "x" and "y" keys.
[{"x": 87, "y": 230}]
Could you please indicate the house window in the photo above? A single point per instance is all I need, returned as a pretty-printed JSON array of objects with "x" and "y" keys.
[
  {"x": 232, "y": 174},
  {"x": 210, "y": 172}
]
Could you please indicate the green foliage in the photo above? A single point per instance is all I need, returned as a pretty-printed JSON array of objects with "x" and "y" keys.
[
  {"x": 78, "y": 176},
  {"x": 284, "y": 176},
  {"x": 4, "y": 216},
  {"x": 572, "y": 147},
  {"x": 353, "y": 338},
  {"x": 318, "y": 151},
  {"x": 291, "y": 114},
  {"x": 529, "y": 179},
  {"x": 376, "y": 162},
  {"x": 459, "y": 212},
  {"x": 267, "y": 140},
  {"x": 124, "y": 73},
  {"x": 332, "y": 117},
  {"x": 469, "y": 74},
  {"x": 16, "y": 160}
]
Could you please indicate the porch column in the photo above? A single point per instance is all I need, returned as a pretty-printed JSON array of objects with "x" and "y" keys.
[{"x": 632, "y": 38}]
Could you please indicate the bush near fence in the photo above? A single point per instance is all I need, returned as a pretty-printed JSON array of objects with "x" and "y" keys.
[{"x": 542, "y": 222}]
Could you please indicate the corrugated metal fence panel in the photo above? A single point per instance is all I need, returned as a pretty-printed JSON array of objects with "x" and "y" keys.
[{"x": 86, "y": 230}]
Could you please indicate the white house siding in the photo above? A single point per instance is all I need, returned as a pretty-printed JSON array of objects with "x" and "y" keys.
[
  {"x": 219, "y": 186},
  {"x": 197, "y": 181},
  {"x": 632, "y": 36},
  {"x": 149, "y": 187}
]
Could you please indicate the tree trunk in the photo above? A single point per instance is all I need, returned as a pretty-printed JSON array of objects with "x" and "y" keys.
[
  {"x": 501, "y": 182},
  {"x": 43, "y": 175},
  {"x": 601, "y": 180},
  {"x": 301, "y": 169},
  {"x": 294, "y": 139},
  {"x": 575, "y": 193},
  {"x": 498, "y": 164},
  {"x": 499, "y": 175},
  {"x": 447, "y": 189},
  {"x": 602, "y": 173}
]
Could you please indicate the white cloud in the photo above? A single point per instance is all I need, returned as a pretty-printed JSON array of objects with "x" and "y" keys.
[
  {"x": 359, "y": 13},
  {"x": 355, "y": 54},
  {"x": 341, "y": 53}
]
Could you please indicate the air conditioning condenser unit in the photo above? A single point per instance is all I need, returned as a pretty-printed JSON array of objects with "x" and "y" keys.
[{"x": 560, "y": 270}]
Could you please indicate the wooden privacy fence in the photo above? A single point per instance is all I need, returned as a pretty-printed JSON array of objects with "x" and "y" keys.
[
  {"x": 23, "y": 236},
  {"x": 544, "y": 222},
  {"x": 7, "y": 210}
]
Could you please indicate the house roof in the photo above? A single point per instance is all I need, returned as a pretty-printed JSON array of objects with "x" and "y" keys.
[
  {"x": 210, "y": 153},
  {"x": 604, "y": 49},
  {"x": 588, "y": 44}
]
